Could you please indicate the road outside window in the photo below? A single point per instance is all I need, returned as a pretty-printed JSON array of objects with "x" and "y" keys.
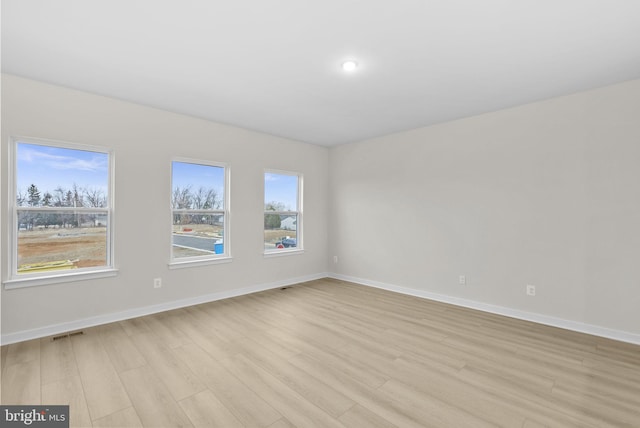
[
  {"x": 282, "y": 211},
  {"x": 199, "y": 211}
]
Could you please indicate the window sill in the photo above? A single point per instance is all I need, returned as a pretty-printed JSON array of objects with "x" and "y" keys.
[
  {"x": 34, "y": 281},
  {"x": 193, "y": 263},
  {"x": 282, "y": 253}
]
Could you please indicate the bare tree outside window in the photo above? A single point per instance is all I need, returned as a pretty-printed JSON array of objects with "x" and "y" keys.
[
  {"x": 198, "y": 211},
  {"x": 62, "y": 212}
]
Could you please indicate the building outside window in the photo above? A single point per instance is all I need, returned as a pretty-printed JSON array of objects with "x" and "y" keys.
[{"x": 282, "y": 212}]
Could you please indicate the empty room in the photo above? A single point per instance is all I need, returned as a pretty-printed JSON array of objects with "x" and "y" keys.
[{"x": 320, "y": 214}]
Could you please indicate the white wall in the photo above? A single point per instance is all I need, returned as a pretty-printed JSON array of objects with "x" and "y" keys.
[
  {"x": 545, "y": 194},
  {"x": 144, "y": 141}
]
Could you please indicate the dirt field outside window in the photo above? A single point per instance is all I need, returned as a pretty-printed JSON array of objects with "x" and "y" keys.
[{"x": 85, "y": 246}]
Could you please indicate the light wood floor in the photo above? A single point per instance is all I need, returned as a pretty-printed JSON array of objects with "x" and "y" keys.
[{"x": 328, "y": 353}]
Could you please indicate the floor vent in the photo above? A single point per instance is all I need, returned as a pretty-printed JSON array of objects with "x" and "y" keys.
[{"x": 64, "y": 336}]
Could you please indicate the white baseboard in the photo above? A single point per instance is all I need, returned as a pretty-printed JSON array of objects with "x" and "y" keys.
[
  {"x": 594, "y": 330},
  {"x": 65, "y": 327}
]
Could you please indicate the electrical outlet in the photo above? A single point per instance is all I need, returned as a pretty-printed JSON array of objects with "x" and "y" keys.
[
  {"x": 462, "y": 280},
  {"x": 531, "y": 290},
  {"x": 157, "y": 282},
  {"x": 335, "y": 259}
]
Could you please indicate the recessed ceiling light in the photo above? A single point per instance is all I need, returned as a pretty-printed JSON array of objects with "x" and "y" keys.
[{"x": 350, "y": 65}]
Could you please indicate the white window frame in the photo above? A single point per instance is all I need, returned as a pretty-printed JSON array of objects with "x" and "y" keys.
[
  {"x": 225, "y": 257},
  {"x": 299, "y": 248},
  {"x": 44, "y": 278}
]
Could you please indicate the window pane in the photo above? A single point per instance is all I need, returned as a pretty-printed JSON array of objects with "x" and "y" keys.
[
  {"x": 51, "y": 240},
  {"x": 197, "y": 187},
  {"x": 280, "y": 192},
  {"x": 61, "y": 177},
  {"x": 280, "y": 231},
  {"x": 197, "y": 234}
]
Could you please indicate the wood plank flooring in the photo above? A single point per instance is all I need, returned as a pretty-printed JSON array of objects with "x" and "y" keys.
[{"x": 328, "y": 353}]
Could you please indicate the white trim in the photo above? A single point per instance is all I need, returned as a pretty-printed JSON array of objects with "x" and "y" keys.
[
  {"x": 36, "y": 333},
  {"x": 278, "y": 253},
  {"x": 580, "y": 327},
  {"x": 60, "y": 143},
  {"x": 300, "y": 219},
  {"x": 609, "y": 333},
  {"x": 280, "y": 172},
  {"x": 199, "y": 162},
  {"x": 12, "y": 232},
  {"x": 202, "y": 262},
  {"x": 46, "y": 279}
]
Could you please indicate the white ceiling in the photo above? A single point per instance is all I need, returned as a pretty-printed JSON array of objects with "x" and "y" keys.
[{"x": 274, "y": 66}]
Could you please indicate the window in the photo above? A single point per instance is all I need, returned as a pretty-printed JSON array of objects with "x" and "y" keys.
[
  {"x": 62, "y": 215},
  {"x": 200, "y": 211},
  {"x": 282, "y": 212}
]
